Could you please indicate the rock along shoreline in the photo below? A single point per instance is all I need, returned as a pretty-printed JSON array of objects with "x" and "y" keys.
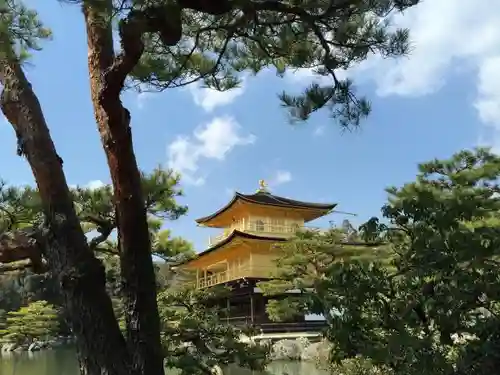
[
  {"x": 9, "y": 348},
  {"x": 300, "y": 349}
]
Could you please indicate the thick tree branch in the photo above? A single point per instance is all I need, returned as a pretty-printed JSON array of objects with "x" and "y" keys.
[
  {"x": 165, "y": 20},
  {"x": 104, "y": 233},
  {"x": 20, "y": 246},
  {"x": 103, "y": 226}
]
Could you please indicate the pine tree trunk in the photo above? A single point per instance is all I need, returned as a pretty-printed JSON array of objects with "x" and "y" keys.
[
  {"x": 137, "y": 271},
  {"x": 81, "y": 276}
]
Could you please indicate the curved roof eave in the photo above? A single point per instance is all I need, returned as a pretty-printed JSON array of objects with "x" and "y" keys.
[
  {"x": 234, "y": 234},
  {"x": 268, "y": 200}
]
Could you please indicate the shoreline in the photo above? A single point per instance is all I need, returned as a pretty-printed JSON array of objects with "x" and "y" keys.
[
  {"x": 7, "y": 348},
  {"x": 299, "y": 349}
]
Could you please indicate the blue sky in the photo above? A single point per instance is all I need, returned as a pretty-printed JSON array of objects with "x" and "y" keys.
[{"x": 444, "y": 97}]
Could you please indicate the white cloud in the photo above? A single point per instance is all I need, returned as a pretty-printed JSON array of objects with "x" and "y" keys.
[
  {"x": 445, "y": 34},
  {"x": 449, "y": 38},
  {"x": 305, "y": 76},
  {"x": 280, "y": 177},
  {"x": 143, "y": 95},
  {"x": 487, "y": 102},
  {"x": 93, "y": 184},
  {"x": 210, "y": 99},
  {"x": 213, "y": 140},
  {"x": 142, "y": 99},
  {"x": 319, "y": 130}
]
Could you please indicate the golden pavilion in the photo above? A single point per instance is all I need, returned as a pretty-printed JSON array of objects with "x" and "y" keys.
[{"x": 242, "y": 254}]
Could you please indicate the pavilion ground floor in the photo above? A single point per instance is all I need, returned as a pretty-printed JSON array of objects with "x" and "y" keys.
[{"x": 246, "y": 306}]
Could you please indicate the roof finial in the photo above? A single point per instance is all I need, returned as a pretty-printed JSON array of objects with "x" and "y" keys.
[{"x": 262, "y": 187}]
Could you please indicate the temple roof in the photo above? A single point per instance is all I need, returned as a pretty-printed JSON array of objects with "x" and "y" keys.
[
  {"x": 264, "y": 197},
  {"x": 236, "y": 234}
]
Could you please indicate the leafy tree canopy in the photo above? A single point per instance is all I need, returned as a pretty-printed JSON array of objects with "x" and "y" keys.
[
  {"x": 434, "y": 309},
  {"x": 38, "y": 320},
  {"x": 21, "y": 208},
  {"x": 189, "y": 317},
  {"x": 304, "y": 263},
  {"x": 221, "y": 40}
]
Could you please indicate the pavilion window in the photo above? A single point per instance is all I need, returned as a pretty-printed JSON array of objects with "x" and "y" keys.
[{"x": 259, "y": 226}]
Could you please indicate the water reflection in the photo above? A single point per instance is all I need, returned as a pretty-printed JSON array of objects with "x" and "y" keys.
[
  {"x": 51, "y": 362},
  {"x": 64, "y": 362}
]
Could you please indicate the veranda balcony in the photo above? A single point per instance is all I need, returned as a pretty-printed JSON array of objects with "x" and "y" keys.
[
  {"x": 224, "y": 271},
  {"x": 261, "y": 227}
]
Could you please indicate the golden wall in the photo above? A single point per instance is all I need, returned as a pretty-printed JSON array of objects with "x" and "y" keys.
[{"x": 237, "y": 260}]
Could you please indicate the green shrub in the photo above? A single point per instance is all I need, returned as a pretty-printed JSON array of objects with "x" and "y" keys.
[{"x": 38, "y": 320}]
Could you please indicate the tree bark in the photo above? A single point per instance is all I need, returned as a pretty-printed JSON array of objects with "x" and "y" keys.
[
  {"x": 137, "y": 271},
  {"x": 81, "y": 276}
]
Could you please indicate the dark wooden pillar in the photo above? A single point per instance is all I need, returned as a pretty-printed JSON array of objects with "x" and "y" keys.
[{"x": 252, "y": 308}]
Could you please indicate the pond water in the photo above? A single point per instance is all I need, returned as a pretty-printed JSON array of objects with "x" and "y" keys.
[{"x": 63, "y": 362}]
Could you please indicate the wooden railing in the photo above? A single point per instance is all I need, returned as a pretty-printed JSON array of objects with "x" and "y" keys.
[
  {"x": 257, "y": 226},
  {"x": 232, "y": 272},
  {"x": 246, "y": 268},
  {"x": 304, "y": 326},
  {"x": 276, "y": 327},
  {"x": 214, "y": 279}
]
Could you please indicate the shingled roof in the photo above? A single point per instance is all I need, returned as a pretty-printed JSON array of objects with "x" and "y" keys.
[
  {"x": 268, "y": 199},
  {"x": 235, "y": 234}
]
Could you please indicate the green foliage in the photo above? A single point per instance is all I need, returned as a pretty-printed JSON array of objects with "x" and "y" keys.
[
  {"x": 446, "y": 280},
  {"x": 38, "y": 320},
  {"x": 372, "y": 231},
  {"x": 435, "y": 309},
  {"x": 304, "y": 264},
  {"x": 19, "y": 288},
  {"x": 20, "y": 29},
  {"x": 95, "y": 207},
  {"x": 119, "y": 310},
  {"x": 171, "y": 249},
  {"x": 327, "y": 38},
  {"x": 218, "y": 43},
  {"x": 194, "y": 338},
  {"x": 356, "y": 366},
  {"x": 161, "y": 189},
  {"x": 3, "y": 322},
  {"x": 20, "y": 207},
  {"x": 185, "y": 317}
]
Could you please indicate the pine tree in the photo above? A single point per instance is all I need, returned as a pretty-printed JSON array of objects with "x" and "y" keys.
[
  {"x": 189, "y": 316},
  {"x": 38, "y": 320},
  {"x": 434, "y": 309},
  {"x": 304, "y": 263}
]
